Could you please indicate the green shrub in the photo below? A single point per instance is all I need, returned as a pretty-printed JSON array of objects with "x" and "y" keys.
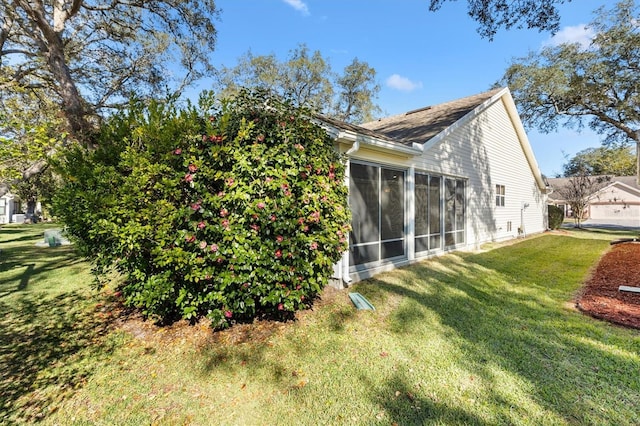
[
  {"x": 230, "y": 211},
  {"x": 556, "y": 216}
]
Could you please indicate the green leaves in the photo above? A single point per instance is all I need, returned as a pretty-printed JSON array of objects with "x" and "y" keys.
[{"x": 228, "y": 213}]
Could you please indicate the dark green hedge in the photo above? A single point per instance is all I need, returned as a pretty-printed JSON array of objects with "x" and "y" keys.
[
  {"x": 228, "y": 212},
  {"x": 556, "y": 217}
]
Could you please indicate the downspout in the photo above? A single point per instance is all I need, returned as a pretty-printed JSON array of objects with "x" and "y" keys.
[
  {"x": 346, "y": 278},
  {"x": 522, "y": 208}
]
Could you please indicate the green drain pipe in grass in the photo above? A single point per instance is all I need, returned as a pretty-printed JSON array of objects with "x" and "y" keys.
[{"x": 361, "y": 302}]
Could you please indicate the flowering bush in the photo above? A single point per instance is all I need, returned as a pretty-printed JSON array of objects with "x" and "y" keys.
[{"x": 228, "y": 212}]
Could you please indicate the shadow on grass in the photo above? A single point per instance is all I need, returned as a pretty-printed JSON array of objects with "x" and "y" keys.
[
  {"x": 37, "y": 261},
  {"x": 508, "y": 318},
  {"x": 48, "y": 348}
]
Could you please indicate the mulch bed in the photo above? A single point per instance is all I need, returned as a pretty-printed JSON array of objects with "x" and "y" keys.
[{"x": 602, "y": 299}]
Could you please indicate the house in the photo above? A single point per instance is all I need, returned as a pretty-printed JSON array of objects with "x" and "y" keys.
[
  {"x": 10, "y": 209},
  {"x": 447, "y": 177},
  {"x": 614, "y": 199}
]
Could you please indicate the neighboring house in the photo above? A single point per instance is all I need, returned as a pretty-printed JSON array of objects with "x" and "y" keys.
[
  {"x": 447, "y": 177},
  {"x": 10, "y": 209},
  {"x": 616, "y": 199}
]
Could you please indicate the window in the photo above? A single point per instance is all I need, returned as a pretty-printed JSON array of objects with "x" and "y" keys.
[
  {"x": 427, "y": 212},
  {"x": 500, "y": 195},
  {"x": 3, "y": 207},
  {"x": 376, "y": 198}
]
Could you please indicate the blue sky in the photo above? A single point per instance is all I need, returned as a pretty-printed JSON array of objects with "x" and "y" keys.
[{"x": 421, "y": 58}]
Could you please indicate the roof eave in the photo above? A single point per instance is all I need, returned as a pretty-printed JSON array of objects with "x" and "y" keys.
[{"x": 376, "y": 144}]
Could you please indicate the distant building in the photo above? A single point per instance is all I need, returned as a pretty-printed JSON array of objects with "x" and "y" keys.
[{"x": 615, "y": 200}]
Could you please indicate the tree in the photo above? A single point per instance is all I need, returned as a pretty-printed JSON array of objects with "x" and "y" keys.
[
  {"x": 614, "y": 161},
  {"x": 88, "y": 56},
  {"x": 307, "y": 79},
  {"x": 577, "y": 192},
  {"x": 596, "y": 85},
  {"x": 494, "y": 14},
  {"x": 357, "y": 89}
]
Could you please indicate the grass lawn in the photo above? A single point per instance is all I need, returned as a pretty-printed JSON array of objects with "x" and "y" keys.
[{"x": 468, "y": 338}]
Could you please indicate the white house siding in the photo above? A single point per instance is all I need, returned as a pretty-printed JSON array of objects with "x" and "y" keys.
[
  {"x": 484, "y": 150},
  {"x": 487, "y": 152},
  {"x": 615, "y": 202}
]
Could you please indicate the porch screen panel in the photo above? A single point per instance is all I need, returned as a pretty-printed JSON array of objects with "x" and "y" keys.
[
  {"x": 392, "y": 209},
  {"x": 428, "y": 212},
  {"x": 435, "y": 213},
  {"x": 421, "y": 212},
  {"x": 3, "y": 208},
  {"x": 450, "y": 212},
  {"x": 454, "y": 212},
  {"x": 377, "y": 204},
  {"x": 365, "y": 209},
  {"x": 460, "y": 207}
]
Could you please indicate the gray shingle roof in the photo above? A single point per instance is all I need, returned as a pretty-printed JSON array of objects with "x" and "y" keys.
[{"x": 418, "y": 126}]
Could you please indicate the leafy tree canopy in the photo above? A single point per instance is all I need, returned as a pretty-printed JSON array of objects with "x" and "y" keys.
[
  {"x": 86, "y": 56},
  {"x": 614, "y": 161},
  {"x": 494, "y": 14},
  {"x": 307, "y": 79},
  {"x": 596, "y": 85}
]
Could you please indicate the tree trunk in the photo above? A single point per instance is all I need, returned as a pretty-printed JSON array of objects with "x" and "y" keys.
[
  {"x": 32, "y": 170},
  {"x": 73, "y": 104},
  {"x": 638, "y": 161}
]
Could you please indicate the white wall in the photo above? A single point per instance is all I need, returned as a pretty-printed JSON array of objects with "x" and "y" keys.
[{"x": 487, "y": 151}]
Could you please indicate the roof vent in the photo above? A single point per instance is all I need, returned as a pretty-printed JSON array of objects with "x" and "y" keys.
[{"x": 418, "y": 110}]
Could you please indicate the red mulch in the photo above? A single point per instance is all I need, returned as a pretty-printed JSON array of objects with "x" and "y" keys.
[{"x": 601, "y": 297}]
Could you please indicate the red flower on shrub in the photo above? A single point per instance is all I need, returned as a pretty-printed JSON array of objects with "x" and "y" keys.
[
  {"x": 202, "y": 225},
  {"x": 225, "y": 224},
  {"x": 268, "y": 179},
  {"x": 280, "y": 307},
  {"x": 192, "y": 168},
  {"x": 255, "y": 227},
  {"x": 203, "y": 245},
  {"x": 261, "y": 205},
  {"x": 273, "y": 218},
  {"x": 313, "y": 246},
  {"x": 299, "y": 147},
  {"x": 229, "y": 181},
  {"x": 315, "y": 217},
  {"x": 188, "y": 177},
  {"x": 214, "y": 248},
  {"x": 195, "y": 206},
  {"x": 228, "y": 314},
  {"x": 278, "y": 254},
  {"x": 177, "y": 151},
  {"x": 224, "y": 212},
  {"x": 190, "y": 238},
  {"x": 300, "y": 220},
  {"x": 260, "y": 138},
  {"x": 279, "y": 238}
]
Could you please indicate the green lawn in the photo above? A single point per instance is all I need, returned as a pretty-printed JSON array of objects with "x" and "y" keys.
[{"x": 468, "y": 338}]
